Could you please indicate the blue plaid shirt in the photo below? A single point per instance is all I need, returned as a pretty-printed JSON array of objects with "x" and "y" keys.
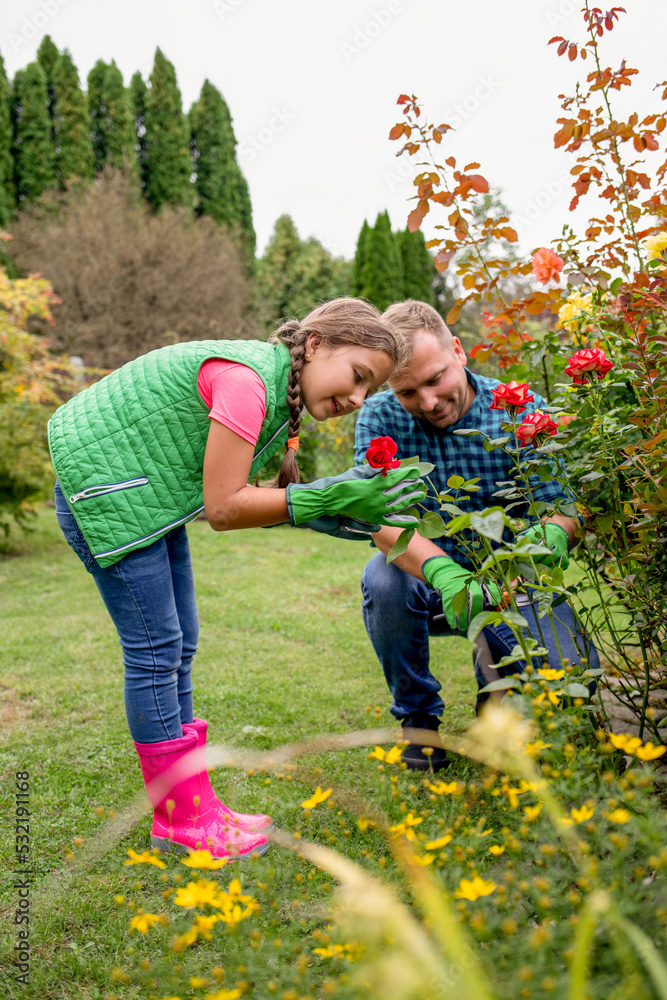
[{"x": 453, "y": 455}]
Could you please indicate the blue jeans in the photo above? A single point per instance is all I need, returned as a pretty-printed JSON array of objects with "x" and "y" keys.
[
  {"x": 402, "y": 612},
  {"x": 150, "y": 596}
]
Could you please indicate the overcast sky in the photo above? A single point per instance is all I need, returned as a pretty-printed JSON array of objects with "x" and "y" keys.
[{"x": 312, "y": 88}]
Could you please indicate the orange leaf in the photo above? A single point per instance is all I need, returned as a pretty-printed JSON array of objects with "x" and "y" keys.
[
  {"x": 398, "y": 130},
  {"x": 509, "y": 234},
  {"x": 572, "y": 52},
  {"x": 454, "y": 312},
  {"x": 451, "y": 161},
  {"x": 479, "y": 183},
  {"x": 442, "y": 259},
  {"x": 437, "y": 135},
  {"x": 415, "y": 220},
  {"x": 403, "y": 99}
]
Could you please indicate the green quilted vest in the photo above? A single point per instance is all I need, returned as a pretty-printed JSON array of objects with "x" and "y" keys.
[{"x": 129, "y": 450}]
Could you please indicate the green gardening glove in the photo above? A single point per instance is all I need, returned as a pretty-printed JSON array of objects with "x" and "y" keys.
[
  {"x": 361, "y": 493},
  {"x": 445, "y": 575},
  {"x": 553, "y": 537}
]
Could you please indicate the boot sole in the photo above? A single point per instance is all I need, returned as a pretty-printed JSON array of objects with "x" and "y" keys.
[{"x": 172, "y": 848}]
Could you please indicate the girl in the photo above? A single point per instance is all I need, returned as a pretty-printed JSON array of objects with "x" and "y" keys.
[{"x": 181, "y": 430}]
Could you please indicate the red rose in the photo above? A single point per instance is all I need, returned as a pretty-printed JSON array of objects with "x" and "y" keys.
[
  {"x": 535, "y": 426},
  {"x": 547, "y": 265},
  {"x": 592, "y": 360},
  {"x": 512, "y": 396},
  {"x": 380, "y": 454}
]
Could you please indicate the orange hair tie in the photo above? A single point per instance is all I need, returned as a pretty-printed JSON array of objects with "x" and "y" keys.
[{"x": 292, "y": 443}]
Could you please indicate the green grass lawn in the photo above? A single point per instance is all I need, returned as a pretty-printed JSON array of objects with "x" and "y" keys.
[{"x": 283, "y": 657}]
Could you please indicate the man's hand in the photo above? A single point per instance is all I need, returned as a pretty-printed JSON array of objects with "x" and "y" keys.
[
  {"x": 554, "y": 537},
  {"x": 443, "y": 574}
]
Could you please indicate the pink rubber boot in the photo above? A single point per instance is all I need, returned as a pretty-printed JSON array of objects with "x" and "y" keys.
[
  {"x": 246, "y": 821},
  {"x": 182, "y": 814}
]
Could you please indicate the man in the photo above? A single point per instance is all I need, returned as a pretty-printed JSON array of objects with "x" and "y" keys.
[{"x": 411, "y": 598}]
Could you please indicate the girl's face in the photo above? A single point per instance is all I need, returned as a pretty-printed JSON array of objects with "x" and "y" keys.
[{"x": 336, "y": 380}]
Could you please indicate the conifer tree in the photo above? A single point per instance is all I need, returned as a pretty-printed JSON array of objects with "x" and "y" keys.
[
  {"x": 138, "y": 93},
  {"x": 168, "y": 158},
  {"x": 47, "y": 57},
  {"x": 275, "y": 271},
  {"x": 418, "y": 268},
  {"x": 7, "y": 190},
  {"x": 74, "y": 153},
  {"x": 357, "y": 282},
  {"x": 34, "y": 153},
  {"x": 112, "y": 134},
  {"x": 221, "y": 188},
  {"x": 382, "y": 270}
]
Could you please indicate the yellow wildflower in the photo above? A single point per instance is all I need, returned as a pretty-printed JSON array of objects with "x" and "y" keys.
[
  {"x": 532, "y": 812},
  {"x": 197, "y": 981},
  {"x": 145, "y": 858},
  {"x": 316, "y": 798},
  {"x": 513, "y": 795},
  {"x": 443, "y": 788},
  {"x": 436, "y": 845},
  {"x": 581, "y": 815},
  {"x": 422, "y": 859},
  {"x": 203, "y": 859},
  {"x": 393, "y": 755},
  {"x": 201, "y": 893},
  {"x": 497, "y": 849},
  {"x": 143, "y": 921},
  {"x": 656, "y": 246},
  {"x": 624, "y": 741},
  {"x": 379, "y": 754},
  {"x": 573, "y": 310},
  {"x": 649, "y": 752},
  {"x": 618, "y": 816},
  {"x": 551, "y": 675},
  {"x": 362, "y": 823},
  {"x": 406, "y": 826},
  {"x": 225, "y": 995},
  {"x": 535, "y": 748},
  {"x": 474, "y": 888}
]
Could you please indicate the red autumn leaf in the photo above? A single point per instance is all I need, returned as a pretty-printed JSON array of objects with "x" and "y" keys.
[
  {"x": 562, "y": 48},
  {"x": 563, "y": 136},
  {"x": 471, "y": 166},
  {"x": 451, "y": 161},
  {"x": 443, "y": 197},
  {"x": 403, "y": 99},
  {"x": 650, "y": 140},
  {"x": 572, "y": 52},
  {"x": 479, "y": 183},
  {"x": 639, "y": 143},
  {"x": 398, "y": 131},
  {"x": 556, "y": 38}
]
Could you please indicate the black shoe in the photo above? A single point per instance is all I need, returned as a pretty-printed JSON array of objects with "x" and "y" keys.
[{"x": 413, "y": 755}]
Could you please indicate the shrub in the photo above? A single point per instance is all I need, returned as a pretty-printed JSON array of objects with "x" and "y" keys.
[{"x": 129, "y": 280}]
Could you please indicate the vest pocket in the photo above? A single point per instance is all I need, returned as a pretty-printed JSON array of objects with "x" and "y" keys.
[{"x": 104, "y": 488}]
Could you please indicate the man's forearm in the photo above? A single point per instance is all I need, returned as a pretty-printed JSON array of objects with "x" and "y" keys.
[{"x": 414, "y": 556}]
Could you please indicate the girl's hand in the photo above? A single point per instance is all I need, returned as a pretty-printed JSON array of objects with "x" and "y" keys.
[{"x": 361, "y": 493}]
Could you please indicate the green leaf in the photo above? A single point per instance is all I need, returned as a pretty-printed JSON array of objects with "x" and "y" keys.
[
  {"x": 615, "y": 285},
  {"x": 502, "y": 684},
  {"x": 470, "y": 483},
  {"x": 460, "y": 601},
  {"x": 431, "y": 525},
  {"x": 466, "y": 433},
  {"x": 451, "y": 508},
  {"x": 491, "y": 525},
  {"x": 574, "y": 690},
  {"x": 401, "y": 544},
  {"x": 425, "y": 468},
  {"x": 480, "y": 621},
  {"x": 454, "y": 482},
  {"x": 590, "y": 477},
  {"x": 410, "y": 461}
]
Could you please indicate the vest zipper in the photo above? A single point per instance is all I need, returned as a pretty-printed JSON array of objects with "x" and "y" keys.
[{"x": 98, "y": 491}]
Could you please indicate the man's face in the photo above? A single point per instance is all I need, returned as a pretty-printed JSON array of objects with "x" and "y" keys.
[{"x": 434, "y": 386}]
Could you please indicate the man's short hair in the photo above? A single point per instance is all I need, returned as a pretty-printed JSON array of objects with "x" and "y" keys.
[{"x": 412, "y": 315}]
